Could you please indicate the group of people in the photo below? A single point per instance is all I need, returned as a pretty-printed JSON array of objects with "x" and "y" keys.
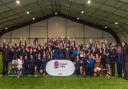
[{"x": 98, "y": 58}]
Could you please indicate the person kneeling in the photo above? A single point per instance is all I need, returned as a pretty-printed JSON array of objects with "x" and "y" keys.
[
  {"x": 97, "y": 71},
  {"x": 19, "y": 66}
]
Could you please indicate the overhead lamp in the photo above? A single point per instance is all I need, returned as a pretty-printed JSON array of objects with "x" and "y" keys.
[
  {"x": 106, "y": 27},
  {"x": 27, "y": 12},
  {"x": 17, "y": 1},
  {"x": 33, "y": 18},
  {"x": 82, "y": 12},
  {"x": 56, "y": 13},
  {"x": 89, "y": 2},
  {"x": 116, "y": 23},
  {"x": 6, "y": 28},
  {"x": 78, "y": 18}
]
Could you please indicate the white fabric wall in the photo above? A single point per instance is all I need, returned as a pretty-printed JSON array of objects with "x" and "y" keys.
[
  {"x": 21, "y": 32},
  {"x": 58, "y": 27},
  {"x": 6, "y": 37}
]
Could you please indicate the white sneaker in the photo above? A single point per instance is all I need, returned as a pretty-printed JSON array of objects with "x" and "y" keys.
[
  {"x": 18, "y": 76},
  {"x": 35, "y": 75}
]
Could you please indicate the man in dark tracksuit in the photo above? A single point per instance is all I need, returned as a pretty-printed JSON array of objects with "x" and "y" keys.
[
  {"x": 31, "y": 65},
  {"x": 5, "y": 60},
  {"x": 119, "y": 61},
  {"x": 123, "y": 58},
  {"x": 26, "y": 65},
  {"x": 77, "y": 65},
  {"x": 113, "y": 57},
  {"x": 126, "y": 62}
]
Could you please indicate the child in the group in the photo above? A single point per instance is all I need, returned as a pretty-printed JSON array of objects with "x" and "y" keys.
[
  {"x": 14, "y": 66},
  {"x": 19, "y": 66}
]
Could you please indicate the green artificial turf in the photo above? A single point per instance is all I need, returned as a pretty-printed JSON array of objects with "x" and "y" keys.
[{"x": 71, "y": 82}]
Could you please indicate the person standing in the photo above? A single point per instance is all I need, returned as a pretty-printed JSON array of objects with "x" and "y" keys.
[
  {"x": 43, "y": 66},
  {"x": 119, "y": 60},
  {"x": 10, "y": 57},
  {"x": 31, "y": 65},
  {"x": 39, "y": 62},
  {"x": 90, "y": 66},
  {"x": 126, "y": 62},
  {"x": 26, "y": 65},
  {"x": 113, "y": 56},
  {"x": 123, "y": 45},
  {"x": 108, "y": 62},
  {"x": 5, "y": 59},
  {"x": 77, "y": 65}
]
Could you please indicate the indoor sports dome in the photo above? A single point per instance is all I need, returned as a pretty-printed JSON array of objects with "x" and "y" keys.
[{"x": 63, "y": 44}]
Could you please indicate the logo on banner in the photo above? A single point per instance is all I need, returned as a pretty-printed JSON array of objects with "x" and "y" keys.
[
  {"x": 56, "y": 64},
  {"x": 60, "y": 68}
]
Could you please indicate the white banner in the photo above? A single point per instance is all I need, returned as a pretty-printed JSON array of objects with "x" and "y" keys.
[{"x": 60, "y": 68}]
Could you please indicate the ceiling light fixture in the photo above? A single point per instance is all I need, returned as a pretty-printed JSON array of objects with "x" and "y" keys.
[
  {"x": 6, "y": 28},
  {"x": 33, "y": 18},
  {"x": 82, "y": 12},
  {"x": 56, "y": 13},
  {"x": 28, "y": 12},
  {"x": 89, "y": 2},
  {"x": 78, "y": 18},
  {"x": 17, "y": 1},
  {"x": 106, "y": 27},
  {"x": 116, "y": 23}
]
